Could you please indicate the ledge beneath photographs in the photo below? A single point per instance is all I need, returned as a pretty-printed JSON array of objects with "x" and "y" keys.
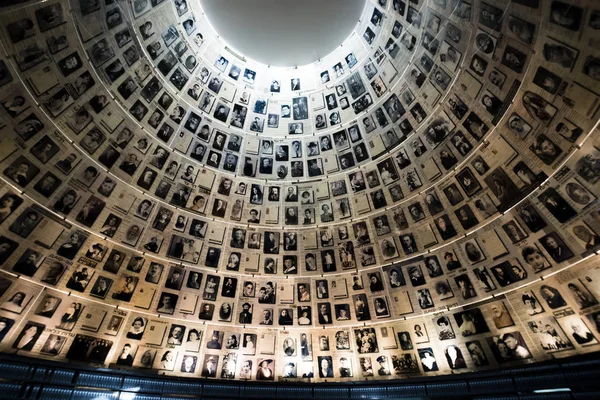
[{"x": 28, "y": 378}]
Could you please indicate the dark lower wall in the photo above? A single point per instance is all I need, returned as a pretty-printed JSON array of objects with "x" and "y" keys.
[{"x": 27, "y": 378}]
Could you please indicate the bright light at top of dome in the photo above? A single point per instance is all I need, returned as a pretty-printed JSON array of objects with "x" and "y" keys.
[{"x": 284, "y": 33}]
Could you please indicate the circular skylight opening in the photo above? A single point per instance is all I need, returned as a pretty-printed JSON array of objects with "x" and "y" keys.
[{"x": 283, "y": 33}]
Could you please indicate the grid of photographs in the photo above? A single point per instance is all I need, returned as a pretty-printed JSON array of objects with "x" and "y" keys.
[{"x": 248, "y": 222}]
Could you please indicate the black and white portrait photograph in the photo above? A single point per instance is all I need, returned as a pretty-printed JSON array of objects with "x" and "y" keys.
[
  {"x": 468, "y": 182},
  {"x": 557, "y": 205},
  {"x": 556, "y": 247},
  {"x": 28, "y": 337},
  {"x": 21, "y": 171},
  {"x": 509, "y": 346}
]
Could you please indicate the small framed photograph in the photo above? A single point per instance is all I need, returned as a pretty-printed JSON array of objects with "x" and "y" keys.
[
  {"x": 497, "y": 78},
  {"x": 80, "y": 278},
  {"x": 468, "y": 182},
  {"x": 585, "y": 236},
  {"x": 466, "y": 289},
  {"x": 15, "y": 104},
  {"x": 509, "y": 347},
  {"x": 92, "y": 140},
  {"x": 517, "y": 125},
  {"x": 114, "y": 325},
  {"x": 473, "y": 251},
  {"x": 523, "y": 30},
  {"x": 568, "y": 130},
  {"x": 449, "y": 57},
  {"x": 578, "y": 194},
  {"x": 514, "y": 231},
  {"x": 29, "y": 336},
  {"x": 53, "y": 345},
  {"x": 80, "y": 120},
  {"x": 101, "y": 287},
  {"x": 166, "y": 303},
  {"x": 514, "y": 59},
  {"x": 559, "y": 54},
  {"x": 547, "y": 80},
  {"x": 478, "y": 65},
  {"x": 508, "y": 272},
  {"x": 22, "y": 29},
  {"x": 556, "y": 247},
  {"x": 545, "y": 149},
  {"x": 22, "y": 171},
  {"x": 28, "y": 127},
  {"x": 70, "y": 64},
  {"x": 153, "y": 243}
]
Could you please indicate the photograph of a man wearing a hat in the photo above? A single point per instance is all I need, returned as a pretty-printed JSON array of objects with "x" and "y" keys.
[
  {"x": 209, "y": 369},
  {"x": 246, "y": 314}
]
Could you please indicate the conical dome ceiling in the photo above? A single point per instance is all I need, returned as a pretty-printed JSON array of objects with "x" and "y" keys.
[{"x": 408, "y": 189}]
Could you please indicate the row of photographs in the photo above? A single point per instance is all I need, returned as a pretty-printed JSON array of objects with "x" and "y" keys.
[
  {"x": 484, "y": 38},
  {"x": 300, "y": 108},
  {"x": 467, "y": 180},
  {"x": 505, "y": 330},
  {"x": 170, "y": 35},
  {"x": 317, "y": 166},
  {"x": 107, "y": 22},
  {"x": 472, "y": 252},
  {"x": 558, "y": 252},
  {"x": 272, "y": 242},
  {"x": 488, "y": 246},
  {"x": 109, "y": 153},
  {"x": 387, "y": 172}
]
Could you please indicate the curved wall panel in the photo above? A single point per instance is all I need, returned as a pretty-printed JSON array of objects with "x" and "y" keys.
[{"x": 423, "y": 200}]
